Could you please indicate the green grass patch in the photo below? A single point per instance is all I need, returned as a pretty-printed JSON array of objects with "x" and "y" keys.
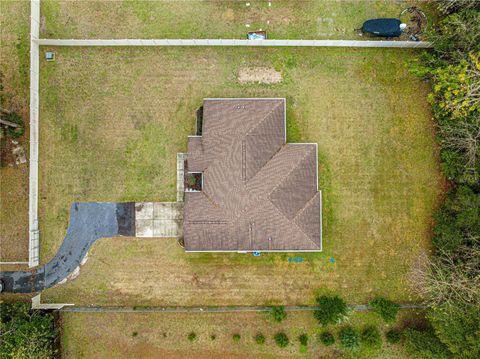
[{"x": 125, "y": 113}]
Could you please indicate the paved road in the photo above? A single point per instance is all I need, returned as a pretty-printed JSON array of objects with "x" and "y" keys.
[{"x": 89, "y": 222}]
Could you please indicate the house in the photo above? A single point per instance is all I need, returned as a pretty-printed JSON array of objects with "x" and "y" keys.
[{"x": 251, "y": 191}]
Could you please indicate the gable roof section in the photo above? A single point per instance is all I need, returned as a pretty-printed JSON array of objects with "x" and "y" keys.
[
  {"x": 259, "y": 193},
  {"x": 298, "y": 186}
]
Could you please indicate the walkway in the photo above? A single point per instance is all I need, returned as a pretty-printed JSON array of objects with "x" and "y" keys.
[
  {"x": 158, "y": 219},
  {"x": 234, "y": 42},
  {"x": 88, "y": 223}
]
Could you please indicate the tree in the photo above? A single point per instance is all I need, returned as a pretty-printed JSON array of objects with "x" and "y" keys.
[
  {"x": 278, "y": 313},
  {"x": 26, "y": 333},
  {"x": 236, "y": 337},
  {"x": 450, "y": 280},
  {"x": 425, "y": 344},
  {"x": 281, "y": 339},
  {"x": 458, "y": 327},
  {"x": 449, "y": 6},
  {"x": 454, "y": 36},
  {"x": 385, "y": 308},
  {"x": 457, "y": 221},
  {"x": 331, "y": 309}
]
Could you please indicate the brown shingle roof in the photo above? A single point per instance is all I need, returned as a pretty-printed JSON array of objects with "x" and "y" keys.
[{"x": 259, "y": 193}]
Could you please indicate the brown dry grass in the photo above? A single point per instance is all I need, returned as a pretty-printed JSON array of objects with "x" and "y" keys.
[
  {"x": 161, "y": 335},
  {"x": 113, "y": 120},
  {"x": 14, "y": 47},
  {"x": 262, "y": 75}
]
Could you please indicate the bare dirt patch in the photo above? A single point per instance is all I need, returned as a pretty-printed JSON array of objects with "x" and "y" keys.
[{"x": 262, "y": 75}]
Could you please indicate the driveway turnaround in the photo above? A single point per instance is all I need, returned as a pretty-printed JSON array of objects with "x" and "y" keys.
[{"x": 88, "y": 222}]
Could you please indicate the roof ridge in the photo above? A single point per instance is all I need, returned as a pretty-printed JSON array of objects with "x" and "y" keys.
[
  {"x": 302, "y": 210},
  {"x": 293, "y": 223},
  {"x": 289, "y": 172},
  {"x": 262, "y": 121},
  {"x": 305, "y": 206},
  {"x": 212, "y": 202}
]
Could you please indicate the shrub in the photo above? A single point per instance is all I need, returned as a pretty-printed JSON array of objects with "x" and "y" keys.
[
  {"x": 386, "y": 308},
  {"x": 192, "y": 336},
  {"x": 327, "y": 338},
  {"x": 260, "y": 338},
  {"x": 281, "y": 339},
  {"x": 331, "y": 309},
  {"x": 394, "y": 336},
  {"x": 371, "y": 337},
  {"x": 134, "y": 334},
  {"x": 303, "y": 339},
  {"x": 236, "y": 337},
  {"x": 26, "y": 333},
  {"x": 278, "y": 313},
  {"x": 349, "y": 338},
  {"x": 213, "y": 337}
]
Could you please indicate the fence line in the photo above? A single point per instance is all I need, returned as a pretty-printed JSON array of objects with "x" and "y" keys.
[
  {"x": 358, "y": 307},
  {"x": 234, "y": 42},
  {"x": 33, "y": 237}
]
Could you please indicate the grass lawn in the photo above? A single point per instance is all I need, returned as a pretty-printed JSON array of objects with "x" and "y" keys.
[
  {"x": 14, "y": 64},
  {"x": 113, "y": 120},
  {"x": 284, "y": 19},
  {"x": 160, "y": 335}
]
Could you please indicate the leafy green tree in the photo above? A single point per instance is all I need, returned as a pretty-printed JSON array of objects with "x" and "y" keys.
[
  {"x": 456, "y": 88},
  {"x": 453, "y": 67},
  {"x": 458, "y": 327},
  {"x": 26, "y": 333},
  {"x": 454, "y": 36},
  {"x": 331, "y": 309},
  {"x": 327, "y": 338},
  {"x": 457, "y": 220},
  {"x": 278, "y": 313},
  {"x": 425, "y": 344},
  {"x": 349, "y": 338},
  {"x": 371, "y": 337},
  {"x": 449, "y": 6},
  {"x": 281, "y": 339},
  {"x": 385, "y": 308},
  {"x": 449, "y": 280}
]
